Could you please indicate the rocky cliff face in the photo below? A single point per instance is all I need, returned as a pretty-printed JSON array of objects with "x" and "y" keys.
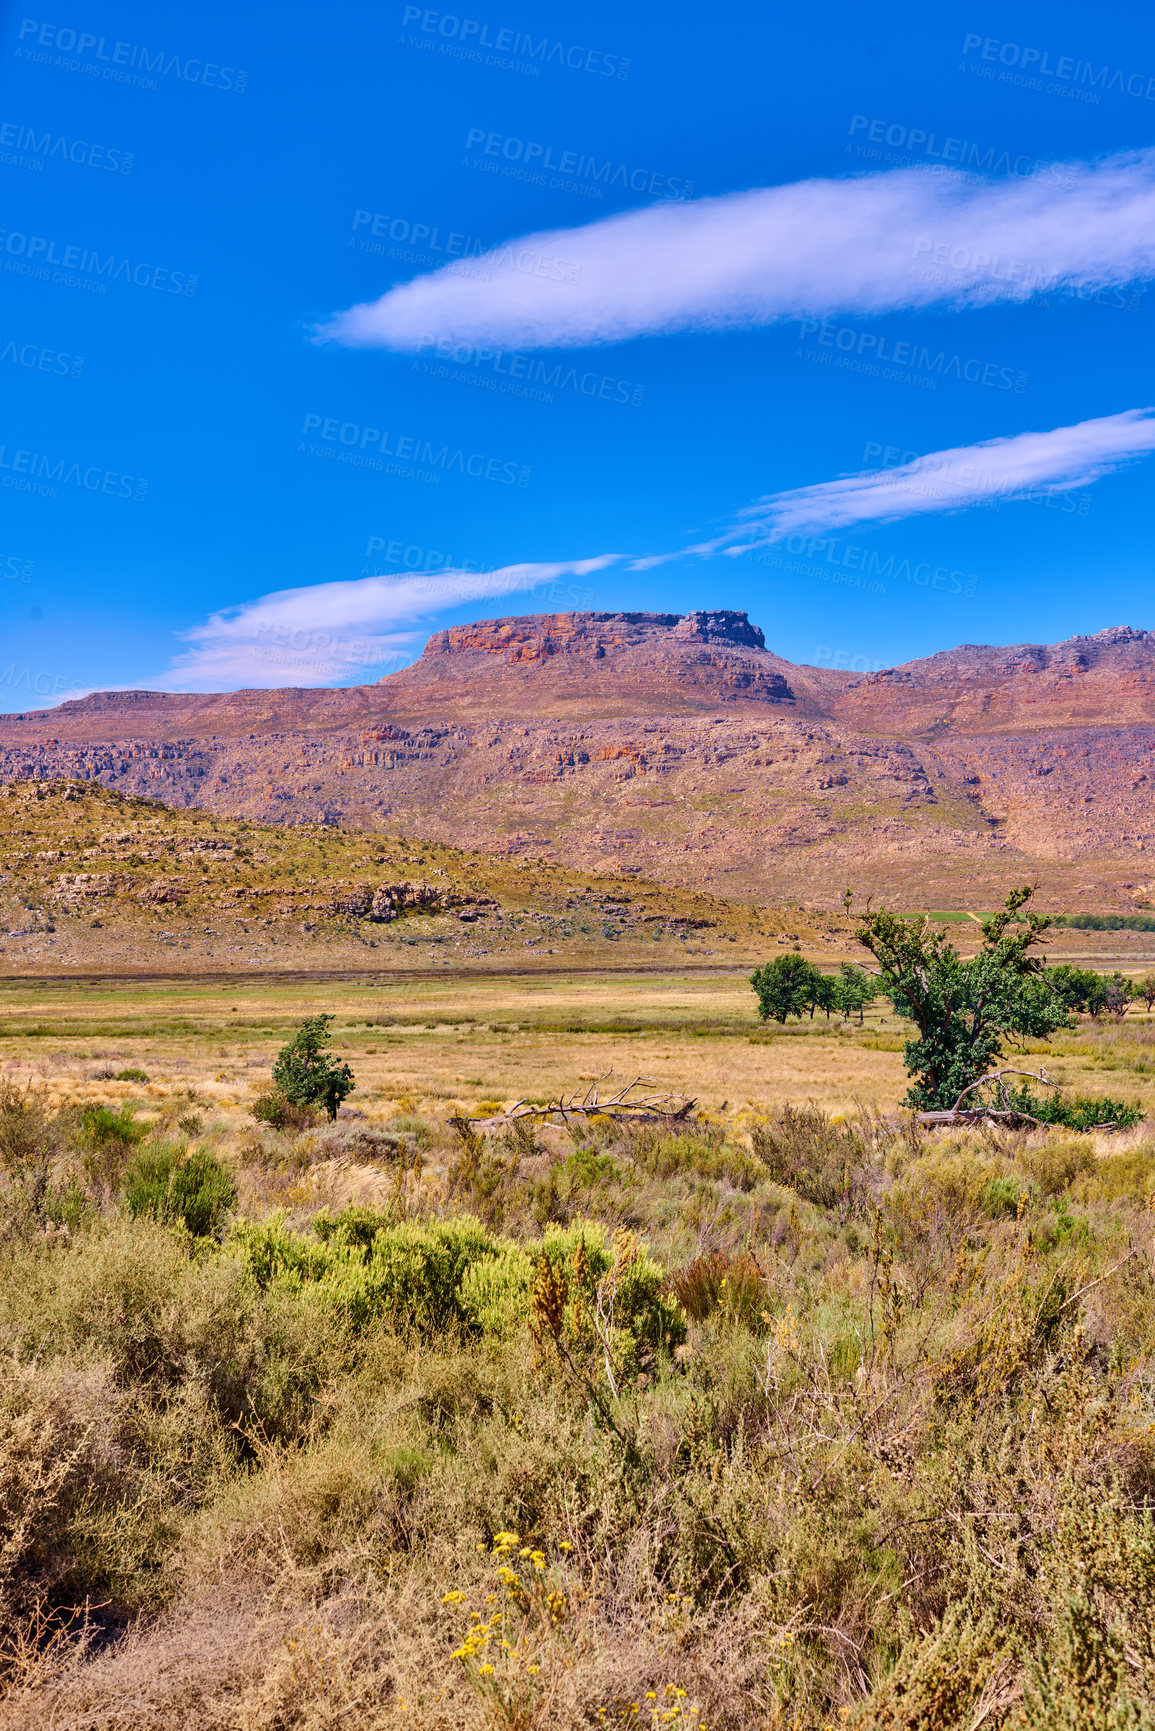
[{"x": 681, "y": 747}]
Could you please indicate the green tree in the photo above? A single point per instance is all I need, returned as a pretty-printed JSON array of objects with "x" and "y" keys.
[
  {"x": 787, "y": 986},
  {"x": 852, "y": 989},
  {"x": 306, "y": 1075},
  {"x": 1079, "y": 988},
  {"x": 1121, "y": 994},
  {"x": 963, "y": 1011},
  {"x": 1145, "y": 989}
]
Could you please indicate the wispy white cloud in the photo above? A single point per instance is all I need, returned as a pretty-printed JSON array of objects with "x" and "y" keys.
[
  {"x": 1059, "y": 460},
  {"x": 325, "y": 633},
  {"x": 871, "y": 244}
]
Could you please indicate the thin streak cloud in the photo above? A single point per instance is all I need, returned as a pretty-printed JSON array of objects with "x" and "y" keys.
[
  {"x": 327, "y": 633},
  {"x": 1062, "y": 459},
  {"x": 871, "y": 244}
]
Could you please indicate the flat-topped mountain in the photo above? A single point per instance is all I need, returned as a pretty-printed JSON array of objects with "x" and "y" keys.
[{"x": 680, "y": 745}]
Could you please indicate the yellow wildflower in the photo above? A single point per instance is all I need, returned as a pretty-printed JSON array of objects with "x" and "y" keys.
[
  {"x": 565, "y": 1545},
  {"x": 485, "y": 1670},
  {"x": 452, "y": 1598}
]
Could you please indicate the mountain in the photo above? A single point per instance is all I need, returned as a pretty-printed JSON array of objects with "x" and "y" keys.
[{"x": 681, "y": 747}]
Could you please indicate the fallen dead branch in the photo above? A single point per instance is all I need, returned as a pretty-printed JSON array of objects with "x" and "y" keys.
[
  {"x": 1014, "y": 1119},
  {"x": 626, "y": 1105}
]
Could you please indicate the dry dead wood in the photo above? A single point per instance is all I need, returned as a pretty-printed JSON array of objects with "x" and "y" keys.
[{"x": 625, "y": 1105}]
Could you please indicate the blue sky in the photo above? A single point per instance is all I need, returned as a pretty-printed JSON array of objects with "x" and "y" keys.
[{"x": 204, "y": 423}]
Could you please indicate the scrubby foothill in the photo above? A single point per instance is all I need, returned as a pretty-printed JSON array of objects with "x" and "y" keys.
[
  {"x": 98, "y": 882},
  {"x": 779, "y": 1414}
]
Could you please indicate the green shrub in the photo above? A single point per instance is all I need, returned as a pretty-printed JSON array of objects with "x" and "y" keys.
[
  {"x": 106, "y": 1139},
  {"x": 1004, "y": 1196},
  {"x": 170, "y": 1184},
  {"x": 454, "y": 1276},
  {"x": 131, "y": 1075},
  {"x": 1073, "y": 1111}
]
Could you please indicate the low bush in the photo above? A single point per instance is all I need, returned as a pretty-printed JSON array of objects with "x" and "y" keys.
[
  {"x": 169, "y": 1183},
  {"x": 453, "y": 1276},
  {"x": 733, "y": 1285},
  {"x": 105, "y": 1140},
  {"x": 130, "y": 1075}
]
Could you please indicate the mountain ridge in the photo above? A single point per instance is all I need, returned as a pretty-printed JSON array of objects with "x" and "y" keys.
[{"x": 680, "y": 746}]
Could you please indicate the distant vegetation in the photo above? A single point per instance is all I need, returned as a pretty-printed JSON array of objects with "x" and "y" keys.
[{"x": 1107, "y": 922}]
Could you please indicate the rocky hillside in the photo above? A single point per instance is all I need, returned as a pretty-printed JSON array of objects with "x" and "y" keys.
[
  {"x": 94, "y": 882},
  {"x": 682, "y": 749}
]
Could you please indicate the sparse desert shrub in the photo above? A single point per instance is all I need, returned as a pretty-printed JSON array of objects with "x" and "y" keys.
[
  {"x": 170, "y": 1183},
  {"x": 1054, "y": 1162},
  {"x": 60, "y": 1450},
  {"x": 26, "y": 1129},
  {"x": 731, "y": 1284},
  {"x": 1126, "y": 1176},
  {"x": 279, "y": 1113},
  {"x": 804, "y": 1150},
  {"x": 697, "y": 1150}
]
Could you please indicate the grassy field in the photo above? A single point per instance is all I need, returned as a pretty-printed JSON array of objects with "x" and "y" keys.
[
  {"x": 443, "y": 1045},
  {"x": 783, "y": 1416}
]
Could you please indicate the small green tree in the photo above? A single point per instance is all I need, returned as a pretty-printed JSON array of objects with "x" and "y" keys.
[
  {"x": 852, "y": 989},
  {"x": 306, "y": 1075},
  {"x": 963, "y": 1010},
  {"x": 787, "y": 986},
  {"x": 1145, "y": 989}
]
